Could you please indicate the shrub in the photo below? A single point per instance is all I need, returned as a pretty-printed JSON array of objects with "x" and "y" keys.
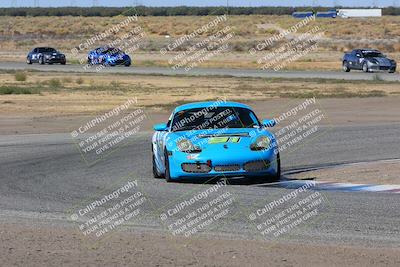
[
  {"x": 20, "y": 76},
  {"x": 79, "y": 80},
  {"x": 11, "y": 90},
  {"x": 55, "y": 83}
]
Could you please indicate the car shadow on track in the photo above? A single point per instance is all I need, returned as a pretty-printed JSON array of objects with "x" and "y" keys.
[{"x": 262, "y": 181}]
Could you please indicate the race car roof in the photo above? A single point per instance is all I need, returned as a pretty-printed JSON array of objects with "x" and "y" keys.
[{"x": 217, "y": 103}]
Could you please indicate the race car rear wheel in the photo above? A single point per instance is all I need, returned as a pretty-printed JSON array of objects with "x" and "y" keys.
[{"x": 346, "y": 67}]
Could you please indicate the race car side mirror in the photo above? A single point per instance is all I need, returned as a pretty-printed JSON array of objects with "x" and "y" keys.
[
  {"x": 160, "y": 127},
  {"x": 269, "y": 123}
]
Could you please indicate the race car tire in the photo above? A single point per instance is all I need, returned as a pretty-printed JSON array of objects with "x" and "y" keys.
[
  {"x": 277, "y": 176},
  {"x": 156, "y": 174},
  {"x": 128, "y": 64},
  {"x": 41, "y": 60},
  {"x": 63, "y": 63},
  {"x": 167, "y": 171},
  {"x": 392, "y": 71},
  {"x": 346, "y": 67},
  {"x": 28, "y": 61},
  {"x": 365, "y": 67}
]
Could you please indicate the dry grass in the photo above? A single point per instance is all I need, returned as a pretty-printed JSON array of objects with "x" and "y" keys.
[
  {"x": 86, "y": 94},
  {"x": 22, "y": 33}
]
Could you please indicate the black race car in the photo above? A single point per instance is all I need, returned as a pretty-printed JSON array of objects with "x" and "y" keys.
[
  {"x": 368, "y": 60},
  {"x": 45, "y": 55}
]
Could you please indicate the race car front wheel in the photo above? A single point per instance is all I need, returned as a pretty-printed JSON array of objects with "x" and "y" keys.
[
  {"x": 28, "y": 60},
  {"x": 41, "y": 60},
  {"x": 277, "y": 176},
  {"x": 167, "y": 171},
  {"x": 365, "y": 67},
  {"x": 156, "y": 174}
]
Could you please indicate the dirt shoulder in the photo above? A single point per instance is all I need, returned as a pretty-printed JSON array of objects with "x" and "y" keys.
[
  {"x": 42, "y": 244},
  {"x": 32, "y": 119},
  {"x": 380, "y": 172}
]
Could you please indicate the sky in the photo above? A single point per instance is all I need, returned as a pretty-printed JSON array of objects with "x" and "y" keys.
[{"x": 55, "y": 3}]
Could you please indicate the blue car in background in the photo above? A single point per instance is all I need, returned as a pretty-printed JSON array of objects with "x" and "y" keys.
[
  {"x": 215, "y": 140},
  {"x": 108, "y": 56}
]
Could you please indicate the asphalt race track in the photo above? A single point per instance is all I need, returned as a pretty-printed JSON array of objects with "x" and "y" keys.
[
  {"x": 354, "y": 75},
  {"x": 44, "y": 175}
]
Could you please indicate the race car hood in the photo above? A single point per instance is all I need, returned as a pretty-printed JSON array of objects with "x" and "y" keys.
[
  {"x": 204, "y": 138},
  {"x": 382, "y": 61}
]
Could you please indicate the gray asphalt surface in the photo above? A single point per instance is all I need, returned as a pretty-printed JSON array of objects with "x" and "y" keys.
[
  {"x": 44, "y": 176},
  {"x": 354, "y": 75}
]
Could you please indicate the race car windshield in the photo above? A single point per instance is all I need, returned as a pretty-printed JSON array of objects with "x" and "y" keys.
[
  {"x": 47, "y": 50},
  {"x": 373, "y": 54},
  {"x": 214, "y": 118},
  {"x": 112, "y": 51}
]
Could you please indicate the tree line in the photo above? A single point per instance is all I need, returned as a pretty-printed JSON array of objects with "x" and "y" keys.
[{"x": 164, "y": 11}]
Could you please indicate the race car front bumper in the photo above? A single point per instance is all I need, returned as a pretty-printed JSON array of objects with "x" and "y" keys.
[{"x": 224, "y": 164}]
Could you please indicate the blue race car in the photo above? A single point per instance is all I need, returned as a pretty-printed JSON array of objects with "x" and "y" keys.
[
  {"x": 215, "y": 140},
  {"x": 108, "y": 56}
]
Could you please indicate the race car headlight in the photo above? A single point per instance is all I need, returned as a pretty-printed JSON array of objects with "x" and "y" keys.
[
  {"x": 261, "y": 143},
  {"x": 185, "y": 145}
]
